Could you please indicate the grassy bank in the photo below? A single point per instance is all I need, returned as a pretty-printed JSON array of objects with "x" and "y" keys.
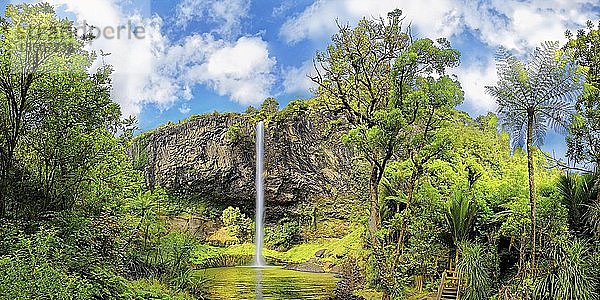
[{"x": 335, "y": 250}]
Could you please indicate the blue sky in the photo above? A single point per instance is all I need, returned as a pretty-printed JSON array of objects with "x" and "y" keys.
[{"x": 201, "y": 56}]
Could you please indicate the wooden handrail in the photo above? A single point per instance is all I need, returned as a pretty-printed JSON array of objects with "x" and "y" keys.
[
  {"x": 442, "y": 285},
  {"x": 452, "y": 277}
]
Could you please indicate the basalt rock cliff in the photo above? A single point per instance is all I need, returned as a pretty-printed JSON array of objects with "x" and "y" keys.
[{"x": 213, "y": 157}]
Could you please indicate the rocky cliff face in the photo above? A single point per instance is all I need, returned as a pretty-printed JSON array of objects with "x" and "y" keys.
[{"x": 213, "y": 156}]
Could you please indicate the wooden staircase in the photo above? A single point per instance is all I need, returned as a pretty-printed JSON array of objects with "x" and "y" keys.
[{"x": 449, "y": 286}]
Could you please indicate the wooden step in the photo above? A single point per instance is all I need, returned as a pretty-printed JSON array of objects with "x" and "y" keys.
[
  {"x": 449, "y": 286},
  {"x": 449, "y": 294}
]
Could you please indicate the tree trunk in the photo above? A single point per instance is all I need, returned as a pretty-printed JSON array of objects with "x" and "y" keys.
[
  {"x": 374, "y": 202},
  {"x": 4, "y": 172},
  {"x": 597, "y": 181},
  {"x": 386, "y": 296},
  {"x": 403, "y": 229},
  {"x": 530, "y": 166},
  {"x": 2, "y": 198}
]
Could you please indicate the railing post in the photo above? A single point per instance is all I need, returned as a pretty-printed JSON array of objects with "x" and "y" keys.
[{"x": 442, "y": 285}]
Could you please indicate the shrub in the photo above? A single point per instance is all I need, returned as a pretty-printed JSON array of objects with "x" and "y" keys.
[
  {"x": 352, "y": 280},
  {"x": 283, "y": 236},
  {"x": 569, "y": 274},
  {"x": 475, "y": 271},
  {"x": 238, "y": 225},
  {"x": 222, "y": 237},
  {"x": 234, "y": 134},
  {"x": 174, "y": 254},
  {"x": 29, "y": 277},
  {"x": 39, "y": 265}
]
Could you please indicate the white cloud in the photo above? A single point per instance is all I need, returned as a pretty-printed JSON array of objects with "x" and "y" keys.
[
  {"x": 318, "y": 20},
  {"x": 514, "y": 24},
  {"x": 520, "y": 25},
  {"x": 473, "y": 80},
  {"x": 296, "y": 78},
  {"x": 226, "y": 13},
  {"x": 282, "y": 9},
  {"x": 185, "y": 109},
  {"x": 240, "y": 70},
  {"x": 135, "y": 79},
  {"x": 158, "y": 71},
  {"x": 517, "y": 25}
]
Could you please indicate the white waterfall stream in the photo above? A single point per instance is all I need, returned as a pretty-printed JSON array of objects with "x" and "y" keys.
[{"x": 260, "y": 200}]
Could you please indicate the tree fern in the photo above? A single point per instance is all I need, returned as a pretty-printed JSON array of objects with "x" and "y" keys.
[{"x": 532, "y": 97}]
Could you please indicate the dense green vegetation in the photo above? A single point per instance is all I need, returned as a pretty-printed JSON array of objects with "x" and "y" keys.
[
  {"x": 77, "y": 221},
  {"x": 450, "y": 192},
  {"x": 436, "y": 189}
]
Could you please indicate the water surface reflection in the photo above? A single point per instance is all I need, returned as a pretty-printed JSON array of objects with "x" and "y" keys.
[{"x": 267, "y": 284}]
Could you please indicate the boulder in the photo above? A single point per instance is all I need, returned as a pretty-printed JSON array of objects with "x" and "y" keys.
[{"x": 320, "y": 253}]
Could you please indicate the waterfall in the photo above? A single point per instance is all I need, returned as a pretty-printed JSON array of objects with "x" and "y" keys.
[{"x": 260, "y": 200}]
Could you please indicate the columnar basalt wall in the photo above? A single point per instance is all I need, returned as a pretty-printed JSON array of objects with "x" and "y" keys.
[{"x": 213, "y": 157}]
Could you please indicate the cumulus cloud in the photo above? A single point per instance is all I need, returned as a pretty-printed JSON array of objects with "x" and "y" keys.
[
  {"x": 522, "y": 25},
  {"x": 240, "y": 70},
  {"x": 159, "y": 71},
  {"x": 296, "y": 78},
  {"x": 516, "y": 25},
  {"x": 317, "y": 20},
  {"x": 227, "y": 14},
  {"x": 134, "y": 60},
  {"x": 474, "y": 79}
]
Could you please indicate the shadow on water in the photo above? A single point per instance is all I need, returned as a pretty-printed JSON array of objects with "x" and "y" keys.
[{"x": 267, "y": 283}]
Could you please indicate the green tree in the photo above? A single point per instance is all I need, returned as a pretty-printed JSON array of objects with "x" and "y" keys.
[
  {"x": 382, "y": 83},
  {"x": 33, "y": 45},
  {"x": 270, "y": 106},
  {"x": 59, "y": 126},
  {"x": 52, "y": 111},
  {"x": 237, "y": 223},
  {"x": 532, "y": 96},
  {"x": 354, "y": 77},
  {"x": 584, "y": 133},
  {"x": 268, "y": 110}
]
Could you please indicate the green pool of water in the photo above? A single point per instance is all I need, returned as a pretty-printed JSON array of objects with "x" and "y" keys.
[{"x": 267, "y": 283}]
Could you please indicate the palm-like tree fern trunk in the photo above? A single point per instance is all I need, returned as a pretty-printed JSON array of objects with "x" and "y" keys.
[{"x": 530, "y": 124}]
